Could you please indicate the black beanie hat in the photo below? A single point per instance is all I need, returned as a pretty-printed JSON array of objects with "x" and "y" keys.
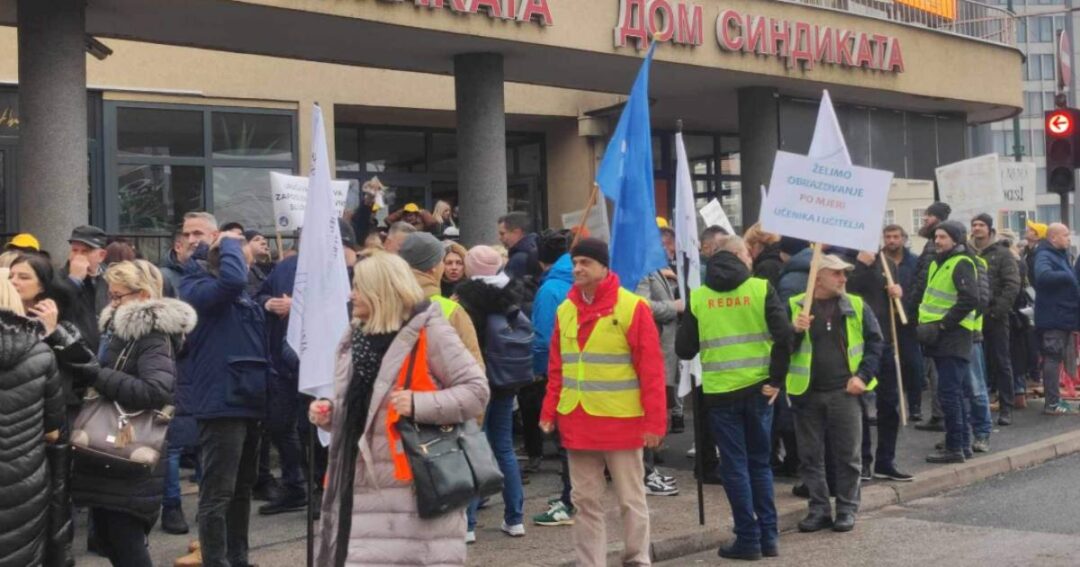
[
  {"x": 939, "y": 210},
  {"x": 985, "y": 218},
  {"x": 592, "y": 248},
  {"x": 552, "y": 245},
  {"x": 955, "y": 230}
]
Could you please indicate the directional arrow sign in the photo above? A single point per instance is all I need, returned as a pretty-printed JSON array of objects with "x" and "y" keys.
[{"x": 1060, "y": 123}]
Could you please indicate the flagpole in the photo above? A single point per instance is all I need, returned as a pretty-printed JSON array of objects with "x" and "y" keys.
[
  {"x": 894, "y": 304},
  {"x": 311, "y": 496},
  {"x": 593, "y": 196}
]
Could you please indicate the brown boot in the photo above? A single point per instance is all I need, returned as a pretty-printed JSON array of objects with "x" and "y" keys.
[
  {"x": 193, "y": 559},
  {"x": 1021, "y": 401}
]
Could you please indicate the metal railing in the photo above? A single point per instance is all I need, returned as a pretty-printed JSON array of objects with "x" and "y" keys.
[{"x": 968, "y": 18}]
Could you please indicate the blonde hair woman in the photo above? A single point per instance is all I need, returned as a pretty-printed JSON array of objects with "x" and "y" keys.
[
  {"x": 31, "y": 392},
  {"x": 141, "y": 333},
  {"x": 454, "y": 264},
  {"x": 765, "y": 250},
  {"x": 368, "y": 508}
]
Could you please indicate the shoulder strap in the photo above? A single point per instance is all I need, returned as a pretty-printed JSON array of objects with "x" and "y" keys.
[{"x": 412, "y": 366}]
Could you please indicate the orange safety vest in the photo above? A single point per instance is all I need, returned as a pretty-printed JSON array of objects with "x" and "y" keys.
[{"x": 421, "y": 382}]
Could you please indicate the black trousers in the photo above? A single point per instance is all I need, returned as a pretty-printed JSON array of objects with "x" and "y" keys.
[
  {"x": 888, "y": 416},
  {"x": 530, "y": 402},
  {"x": 229, "y": 453},
  {"x": 122, "y": 538},
  {"x": 996, "y": 345}
]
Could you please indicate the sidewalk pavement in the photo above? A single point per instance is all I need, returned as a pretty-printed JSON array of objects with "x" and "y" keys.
[{"x": 1034, "y": 438}]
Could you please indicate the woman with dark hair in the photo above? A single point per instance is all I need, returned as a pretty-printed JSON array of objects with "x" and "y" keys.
[{"x": 119, "y": 251}]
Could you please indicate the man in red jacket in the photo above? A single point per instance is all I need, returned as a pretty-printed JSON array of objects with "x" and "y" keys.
[{"x": 606, "y": 395}]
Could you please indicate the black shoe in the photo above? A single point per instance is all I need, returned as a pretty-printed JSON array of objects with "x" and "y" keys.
[
  {"x": 1005, "y": 417},
  {"x": 287, "y": 503},
  {"x": 678, "y": 424},
  {"x": 770, "y": 550},
  {"x": 172, "y": 520},
  {"x": 815, "y": 522},
  {"x": 892, "y": 474},
  {"x": 713, "y": 479},
  {"x": 935, "y": 424},
  {"x": 845, "y": 522},
  {"x": 867, "y": 472},
  {"x": 267, "y": 491},
  {"x": 945, "y": 457},
  {"x": 730, "y": 552},
  {"x": 800, "y": 490}
]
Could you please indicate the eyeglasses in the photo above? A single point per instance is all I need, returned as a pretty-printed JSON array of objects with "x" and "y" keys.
[{"x": 114, "y": 297}]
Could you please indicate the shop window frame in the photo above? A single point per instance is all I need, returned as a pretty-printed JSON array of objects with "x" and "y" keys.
[{"x": 110, "y": 201}]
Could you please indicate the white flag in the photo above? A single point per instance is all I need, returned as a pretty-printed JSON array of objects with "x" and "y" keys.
[
  {"x": 828, "y": 144},
  {"x": 319, "y": 318},
  {"x": 687, "y": 252}
]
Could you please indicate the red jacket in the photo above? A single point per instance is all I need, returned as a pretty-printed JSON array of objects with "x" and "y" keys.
[{"x": 583, "y": 432}]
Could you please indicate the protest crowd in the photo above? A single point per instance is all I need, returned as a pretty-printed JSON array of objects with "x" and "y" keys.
[{"x": 534, "y": 336}]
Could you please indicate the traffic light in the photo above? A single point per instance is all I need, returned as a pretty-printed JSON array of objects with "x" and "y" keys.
[{"x": 1062, "y": 149}]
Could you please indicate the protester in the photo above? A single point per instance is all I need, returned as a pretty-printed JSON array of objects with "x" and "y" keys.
[
  {"x": 765, "y": 250},
  {"x": 836, "y": 354},
  {"x": 84, "y": 270},
  {"x": 610, "y": 340},
  {"x": 796, "y": 272},
  {"x": 1033, "y": 235},
  {"x": 444, "y": 217},
  {"x": 260, "y": 268},
  {"x": 667, "y": 239},
  {"x": 1057, "y": 308},
  {"x": 227, "y": 369},
  {"x": 172, "y": 267},
  {"x": 414, "y": 216},
  {"x": 23, "y": 242},
  {"x": 659, "y": 289},
  {"x": 119, "y": 251},
  {"x": 369, "y": 507},
  {"x": 1023, "y": 347},
  {"x": 399, "y": 231},
  {"x": 1004, "y": 276},
  {"x": 911, "y": 356},
  {"x": 947, "y": 313},
  {"x": 454, "y": 264},
  {"x": 712, "y": 241},
  {"x": 976, "y": 394},
  {"x": 868, "y": 282},
  {"x": 554, "y": 286},
  {"x": 489, "y": 292},
  {"x": 33, "y": 398},
  {"x": 520, "y": 243},
  {"x": 936, "y": 214},
  {"x": 740, "y": 327},
  {"x": 792, "y": 282},
  {"x": 143, "y": 333},
  {"x": 424, "y": 254}
]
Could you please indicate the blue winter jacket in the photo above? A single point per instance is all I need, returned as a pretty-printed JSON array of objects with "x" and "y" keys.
[
  {"x": 226, "y": 367},
  {"x": 796, "y": 273},
  {"x": 278, "y": 283},
  {"x": 553, "y": 291},
  {"x": 1057, "y": 293}
]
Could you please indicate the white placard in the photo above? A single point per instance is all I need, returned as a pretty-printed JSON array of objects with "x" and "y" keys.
[
  {"x": 597, "y": 224},
  {"x": 1018, "y": 185},
  {"x": 714, "y": 215},
  {"x": 986, "y": 184},
  {"x": 841, "y": 205},
  {"x": 290, "y": 195}
]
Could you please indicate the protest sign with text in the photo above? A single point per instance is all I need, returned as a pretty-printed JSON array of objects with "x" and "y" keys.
[{"x": 290, "y": 196}]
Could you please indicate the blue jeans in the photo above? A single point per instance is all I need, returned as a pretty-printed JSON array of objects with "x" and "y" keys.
[
  {"x": 952, "y": 374},
  {"x": 172, "y": 476},
  {"x": 742, "y": 430},
  {"x": 976, "y": 396},
  {"x": 499, "y": 425}
]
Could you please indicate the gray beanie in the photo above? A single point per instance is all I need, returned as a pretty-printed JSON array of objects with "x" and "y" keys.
[
  {"x": 955, "y": 229},
  {"x": 422, "y": 251}
]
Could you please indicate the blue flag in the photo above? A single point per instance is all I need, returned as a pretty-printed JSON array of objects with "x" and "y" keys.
[{"x": 626, "y": 177}]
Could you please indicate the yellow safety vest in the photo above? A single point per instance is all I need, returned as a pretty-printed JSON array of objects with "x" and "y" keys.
[
  {"x": 941, "y": 293},
  {"x": 601, "y": 378},
  {"x": 798, "y": 378},
  {"x": 734, "y": 335},
  {"x": 448, "y": 305}
]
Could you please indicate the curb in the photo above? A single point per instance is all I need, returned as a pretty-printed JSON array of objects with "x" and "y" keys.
[{"x": 874, "y": 496}]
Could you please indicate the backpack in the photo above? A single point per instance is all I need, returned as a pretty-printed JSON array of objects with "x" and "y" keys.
[{"x": 508, "y": 339}]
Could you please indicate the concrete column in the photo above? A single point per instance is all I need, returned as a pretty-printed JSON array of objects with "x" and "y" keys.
[
  {"x": 52, "y": 174},
  {"x": 759, "y": 138},
  {"x": 481, "y": 142}
]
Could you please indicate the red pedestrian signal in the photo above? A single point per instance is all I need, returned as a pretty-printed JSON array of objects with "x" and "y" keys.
[
  {"x": 1062, "y": 149},
  {"x": 1060, "y": 123}
]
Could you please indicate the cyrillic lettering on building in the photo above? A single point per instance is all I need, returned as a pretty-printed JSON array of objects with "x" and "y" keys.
[{"x": 524, "y": 11}]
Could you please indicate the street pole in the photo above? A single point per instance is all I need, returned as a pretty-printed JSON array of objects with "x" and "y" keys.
[{"x": 1018, "y": 149}]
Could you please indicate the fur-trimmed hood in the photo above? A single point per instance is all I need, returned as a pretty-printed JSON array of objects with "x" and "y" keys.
[{"x": 133, "y": 321}]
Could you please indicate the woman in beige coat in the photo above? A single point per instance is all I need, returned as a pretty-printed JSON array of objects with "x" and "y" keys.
[{"x": 369, "y": 516}]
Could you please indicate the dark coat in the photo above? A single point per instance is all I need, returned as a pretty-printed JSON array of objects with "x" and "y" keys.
[
  {"x": 922, "y": 271},
  {"x": 173, "y": 271},
  {"x": 769, "y": 265},
  {"x": 796, "y": 273},
  {"x": 91, "y": 297},
  {"x": 480, "y": 299},
  {"x": 74, "y": 358},
  {"x": 152, "y": 333},
  {"x": 724, "y": 272},
  {"x": 905, "y": 276},
  {"x": 954, "y": 340},
  {"x": 1057, "y": 293},
  {"x": 869, "y": 283},
  {"x": 32, "y": 404},
  {"x": 225, "y": 367},
  {"x": 524, "y": 259},
  {"x": 1004, "y": 274}
]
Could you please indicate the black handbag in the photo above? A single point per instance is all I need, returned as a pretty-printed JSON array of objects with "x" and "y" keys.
[{"x": 451, "y": 464}]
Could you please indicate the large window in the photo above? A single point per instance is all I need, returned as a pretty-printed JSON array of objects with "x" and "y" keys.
[
  {"x": 715, "y": 170},
  {"x": 167, "y": 160}
]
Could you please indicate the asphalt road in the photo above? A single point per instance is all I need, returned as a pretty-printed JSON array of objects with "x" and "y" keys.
[{"x": 1023, "y": 518}]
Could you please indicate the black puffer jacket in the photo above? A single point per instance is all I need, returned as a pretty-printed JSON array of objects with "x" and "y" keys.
[
  {"x": 152, "y": 331},
  {"x": 480, "y": 299},
  {"x": 31, "y": 404},
  {"x": 74, "y": 358}
]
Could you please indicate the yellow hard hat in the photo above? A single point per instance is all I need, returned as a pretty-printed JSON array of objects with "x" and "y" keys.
[
  {"x": 412, "y": 208},
  {"x": 1039, "y": 228},
  {"x": 661, "y": 222},
  {"x": 25, "y": 240}
]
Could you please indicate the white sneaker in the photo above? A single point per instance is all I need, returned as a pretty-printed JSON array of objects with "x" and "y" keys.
[
  {"x": 654, "y": 486},
  {"x": 692, "y": 452},
  {"x": 470, "y": 536},
  {"x": 516, "y": 530}
]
